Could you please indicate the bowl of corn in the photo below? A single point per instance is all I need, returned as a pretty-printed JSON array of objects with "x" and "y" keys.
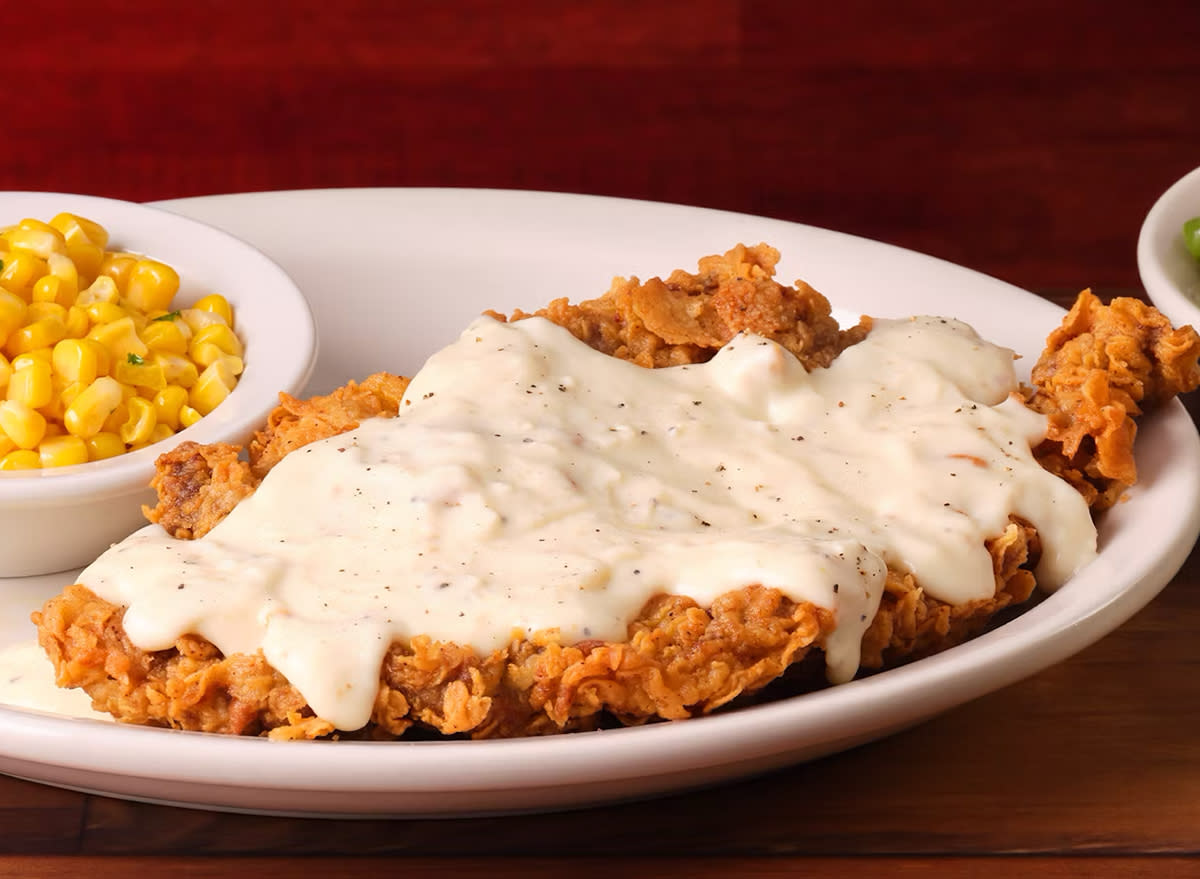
[{"x": 124, "y": 331}]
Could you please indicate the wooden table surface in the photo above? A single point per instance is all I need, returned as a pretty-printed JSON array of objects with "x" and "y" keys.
[{"x": 1025, "y": 139}]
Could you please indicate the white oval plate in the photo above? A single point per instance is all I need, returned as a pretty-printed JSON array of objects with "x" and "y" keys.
[{"x": 394, "y": 274}]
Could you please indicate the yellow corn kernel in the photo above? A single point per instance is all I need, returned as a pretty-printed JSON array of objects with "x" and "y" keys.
[
  {"x": 152, "y": 285},
  {"x": 45, "y": 355},
  {"x": 188, "y": 416},
  {"x": 66, "y": 393},
  {"x": 235, "y": 364},
  {"x": 62, "y": 451},
  {"x": 197, "y": 318},
  {"x": 160, "y": 433},
  {"x": 23, "y": 424},
  {"x": 218, "y": 335},
  {"x": 118, "y": 416},
  {"x": 54, "y": 410},
  {"x": 175, "y": 319},
  {"x": 177, "y": 369},
  {"x": 31, "y": 384},
  {"x": 45, "y": 289},
  {"x": 21, "y": 459},
  {"x": 167, "y": 404},
  {"x": 21, "y": 269},
  {"x": 165, "y": 335},
  {"x": 37, "y": 310},
  {"x": 87, "y": 258},
  {"x": 48, "y": 289},
  {"x": 120, "y": 338},
  {"x": 78, "y": 360},
  {"x": 103, "y": 358},
  {"x": 205, "y": 354},
  {"x": 217, "y": 304},
  {"x": 212, "y": 387},
  {"x": 103, "y": 289},
  {"x": 118, "y": 266},
  {"x": 78, "y": 322},
  {"x": 6, "y": 445},
  {"x": 63, "y": 268},
  {"x": 12, "y": 313},
  {"x": 6, "y": 371},
  {"x": 139, "y": 373},
  {"x": 53, "y": 413},
  {"x": 140, "y": 423},
  {"x": 75, "y": 228},
  {"x": 140, "y": 320},
  {"x": 104, "y": 312},
  {"x": 43, "y": 333},
  {"x": 92, "y": 407},
  {"x": 36, "y": 237},
  {"x": 104, "y": 445}
]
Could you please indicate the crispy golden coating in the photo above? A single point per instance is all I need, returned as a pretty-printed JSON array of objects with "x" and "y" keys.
[
  {"x": 297, "y": 423},
  {"x": 198, "y": 485},
  {"x": 679, "y": 659},
  {"x": 687, "y": 318},
  {"x": 910, "y": 624},
  {"x": 1101, "y": 368},
  {"x": 192, "y": 683}
]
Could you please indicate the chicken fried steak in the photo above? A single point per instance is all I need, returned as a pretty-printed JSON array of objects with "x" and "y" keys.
[{"x": 680, "y": 657}]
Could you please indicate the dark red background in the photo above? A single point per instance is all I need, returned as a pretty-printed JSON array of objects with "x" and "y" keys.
[
  {"x": 1025, "y": 139},
  {"x": 1022, "y": 138}
]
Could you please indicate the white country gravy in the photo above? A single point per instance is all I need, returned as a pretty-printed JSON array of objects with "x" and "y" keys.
[
  {"x": 27, "y": 681},
  {"x": 531, "y": 482}
]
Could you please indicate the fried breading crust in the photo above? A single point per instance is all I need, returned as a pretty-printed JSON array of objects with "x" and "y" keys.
[
  {"x": 911, "y": 624},
  {"x": 295, "y": 423},
  {"x": 679, "y": 659},
  {"x": 687, "y": 318},
  {"x": 198, "y": 485},
  {"x": 1101, "y": 368}
]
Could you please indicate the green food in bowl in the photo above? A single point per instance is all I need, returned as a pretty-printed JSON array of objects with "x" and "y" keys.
[{"x": 1191, "y": 236}]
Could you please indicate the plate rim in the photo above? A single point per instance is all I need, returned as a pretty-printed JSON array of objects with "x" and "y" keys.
[{"x": 1161, "y": 253}]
